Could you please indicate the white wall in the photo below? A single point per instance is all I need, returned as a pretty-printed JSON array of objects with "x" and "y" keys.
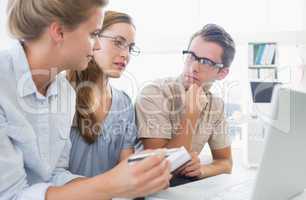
[
  {"x": 4, "y": 38},
  {"x": 164, "y": 28}
]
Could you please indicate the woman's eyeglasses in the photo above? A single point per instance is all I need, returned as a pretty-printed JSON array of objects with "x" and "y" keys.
[{"x": 121, "y": 43}]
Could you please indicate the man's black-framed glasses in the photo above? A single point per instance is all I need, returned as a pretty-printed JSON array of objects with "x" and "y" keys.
[
  {"x": 191, "y": 56},
  {"x": 121, "y": 43}
]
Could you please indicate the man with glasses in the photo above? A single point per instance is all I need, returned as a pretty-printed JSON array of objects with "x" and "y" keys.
[{"x": 181, "y": 111}]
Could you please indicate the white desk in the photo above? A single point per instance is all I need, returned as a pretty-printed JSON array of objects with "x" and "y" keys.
[
  {"x": 203, "y": 189},
  {"x": 301, "y": 196},
  {"x": 207, "y": 188}
]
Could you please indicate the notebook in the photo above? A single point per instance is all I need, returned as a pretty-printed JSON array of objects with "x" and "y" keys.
[{"x": 176, "y": 156}]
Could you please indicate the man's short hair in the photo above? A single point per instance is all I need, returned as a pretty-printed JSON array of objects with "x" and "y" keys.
[{"x": 217, "y": 34}]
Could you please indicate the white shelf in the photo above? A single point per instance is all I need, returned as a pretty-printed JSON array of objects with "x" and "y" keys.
[
  {"x": 262, "y": 66},
  {"x": 260, "y": 52},
  {"x": 263, "y": 61}
]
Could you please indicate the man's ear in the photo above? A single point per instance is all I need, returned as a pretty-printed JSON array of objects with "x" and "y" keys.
[
  {"x": 56, "y": 32},
  {"x": 222, "y": 73}
]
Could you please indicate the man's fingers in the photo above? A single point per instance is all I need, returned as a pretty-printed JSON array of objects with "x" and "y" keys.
[
  {"x": 194, "y": 174},
  {"x": 187, "y": 168},
  {"x": 183, "y": 172},
  {"x": 188, "y": 164},
  {"x": 194, "y": 154},
  {"x": 180, "y": 169},
  {"x": 192, "y": 162},
  {"x": 192, "y": 168}
]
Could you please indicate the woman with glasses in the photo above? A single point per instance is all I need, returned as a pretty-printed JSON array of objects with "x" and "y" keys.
[{"x": 104, "y": 131}]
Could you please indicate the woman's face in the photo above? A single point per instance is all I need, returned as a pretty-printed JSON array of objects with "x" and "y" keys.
[
  {"x": 78, "y": 45},
  {"x": 114, "y": 54}
]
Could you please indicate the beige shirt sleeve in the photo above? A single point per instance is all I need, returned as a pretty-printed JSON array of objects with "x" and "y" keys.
[
  {"x": 152, "y": 115},
  {"x": 219, "y": 138}
]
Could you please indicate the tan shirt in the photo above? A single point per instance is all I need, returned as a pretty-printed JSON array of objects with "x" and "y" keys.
[{"x": 159, "y": 110}]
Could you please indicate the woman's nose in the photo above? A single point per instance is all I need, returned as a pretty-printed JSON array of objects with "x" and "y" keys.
[{"x": 125, "y": 52}]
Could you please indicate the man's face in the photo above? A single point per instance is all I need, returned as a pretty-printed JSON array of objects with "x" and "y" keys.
[{"x": 202, "y": 74}]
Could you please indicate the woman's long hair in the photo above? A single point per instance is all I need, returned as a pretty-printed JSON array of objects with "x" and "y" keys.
[{"x": 85, "y": 83}]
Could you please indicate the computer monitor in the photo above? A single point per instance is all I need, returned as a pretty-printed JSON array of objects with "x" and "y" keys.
[
  {"x": 282, "y": 170},
  {"x": 262, "y": 91}
]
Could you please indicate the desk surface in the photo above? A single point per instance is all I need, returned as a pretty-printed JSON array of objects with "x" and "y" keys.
[
  {"x": 195, "y": 190},
  {"x": 301, "y": 196},
  {"x": 205, "y": 189},
  {"x": 209, "y": 187}
]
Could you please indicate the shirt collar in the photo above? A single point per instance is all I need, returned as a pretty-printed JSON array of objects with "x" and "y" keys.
[{"x": 23, "y": 75}]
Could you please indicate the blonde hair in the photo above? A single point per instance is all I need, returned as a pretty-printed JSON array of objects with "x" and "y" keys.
[
  {"x": 27, "y": 19},
  {"x": 86, "y": 96}
]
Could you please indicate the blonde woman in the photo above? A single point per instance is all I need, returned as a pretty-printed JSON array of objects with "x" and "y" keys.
[
  {"x": 104, "y": 132},
  {"x": 37, "y": 106}
]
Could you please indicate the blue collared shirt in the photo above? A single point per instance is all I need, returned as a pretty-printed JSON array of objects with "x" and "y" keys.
[{"x": 34, "y": 129}]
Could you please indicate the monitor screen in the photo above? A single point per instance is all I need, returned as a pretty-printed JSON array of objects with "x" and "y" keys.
[{"x": 262, "y": 91}]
